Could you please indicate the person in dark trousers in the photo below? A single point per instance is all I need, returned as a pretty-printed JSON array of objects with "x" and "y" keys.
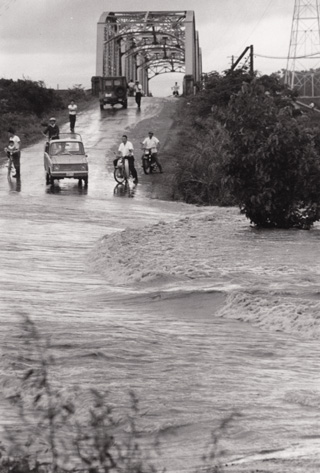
[
  {"x": 131, "y": 88},
  {"x": 138, "y": 93},
  {"x": 51, "y": 132},
  {"x": 16, "y": 155},
  {"x": 72, "y": 107},
  {"x": 126, "y": 150}
]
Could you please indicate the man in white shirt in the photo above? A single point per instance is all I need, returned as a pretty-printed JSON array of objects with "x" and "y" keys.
[
  {"x": 126, "y": 150},
  {"x": 17, "y": 151},
  {"x": 175, "y": 89},
  {"x": 152, "y": 143},
  {"x": 72, "y": 114},
  {"x": 138, "y": 93},
  {"x": 131, "y": 88}
]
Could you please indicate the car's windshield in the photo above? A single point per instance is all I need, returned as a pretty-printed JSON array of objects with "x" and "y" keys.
[{"x": 65, "y": 147}]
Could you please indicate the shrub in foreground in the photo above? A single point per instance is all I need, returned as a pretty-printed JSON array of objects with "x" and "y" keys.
[{"x": 52, "y": 438}]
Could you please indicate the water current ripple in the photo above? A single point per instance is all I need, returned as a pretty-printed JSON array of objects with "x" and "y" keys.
[{"x": 151, "y": 296}]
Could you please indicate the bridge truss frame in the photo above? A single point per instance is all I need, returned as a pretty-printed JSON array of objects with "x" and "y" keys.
[{"x": 142, "y": 45}]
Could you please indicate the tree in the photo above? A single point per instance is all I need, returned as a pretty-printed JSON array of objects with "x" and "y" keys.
[
  {"x": 218, "y": 89},
  {"x": 273, "y": 168}
]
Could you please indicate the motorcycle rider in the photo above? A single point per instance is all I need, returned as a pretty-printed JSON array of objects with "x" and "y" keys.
[
  {"x": 126, "y": 150},
  {"x": 152, "y": 143},
  {"x": 175, "y": 89}
]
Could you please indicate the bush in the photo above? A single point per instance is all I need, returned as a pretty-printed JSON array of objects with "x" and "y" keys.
[
  {"x": 273, "y": 168},
  {"x": 218, "y": 89},
  {"x": 198, "y": 176}
]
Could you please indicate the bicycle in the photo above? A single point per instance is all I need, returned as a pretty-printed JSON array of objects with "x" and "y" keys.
[
  {"x": 10, "y": 165},
  {"x": 122, "y": 171}
]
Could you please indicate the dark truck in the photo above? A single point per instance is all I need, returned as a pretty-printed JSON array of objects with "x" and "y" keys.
[{"x": 110, "y": 90}]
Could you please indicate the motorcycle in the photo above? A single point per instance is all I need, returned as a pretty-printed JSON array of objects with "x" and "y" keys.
[{"x": 148, "y": 163}]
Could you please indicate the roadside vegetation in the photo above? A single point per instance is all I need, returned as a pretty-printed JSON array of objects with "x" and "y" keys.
[
  {"x": 245, "y": 142},
  {"x": 27, "y": 105},
  {"x": 62, "y": 429}
]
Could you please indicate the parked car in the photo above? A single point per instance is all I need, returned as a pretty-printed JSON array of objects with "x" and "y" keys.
[
  {"x": 65, "y": 158},
  {"x": 110, "y": 90}
]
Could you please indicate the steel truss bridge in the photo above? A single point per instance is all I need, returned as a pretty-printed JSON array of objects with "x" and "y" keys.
[{"x": 142, "y": 45}]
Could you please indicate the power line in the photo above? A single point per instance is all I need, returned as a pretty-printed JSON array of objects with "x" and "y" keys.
[
  {"x": 259, "y": 21},
  {"x": 313, "y": 55}
]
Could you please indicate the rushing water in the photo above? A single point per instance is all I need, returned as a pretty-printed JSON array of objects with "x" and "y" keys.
[{"x": 177, "y": 339}]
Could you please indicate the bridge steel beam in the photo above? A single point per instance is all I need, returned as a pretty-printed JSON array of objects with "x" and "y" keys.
[{"x": 142, "y": 45}]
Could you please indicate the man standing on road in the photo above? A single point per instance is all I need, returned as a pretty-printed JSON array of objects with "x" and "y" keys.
[
  {"x": 17, "y": 151},
  {"x": 138, "y": 92},
  {"x": 152, "y": 143},
  {"x": 72, "y": 107},
  {"x": 126, "y": 150},
  {"x": 175, "y": 89}
]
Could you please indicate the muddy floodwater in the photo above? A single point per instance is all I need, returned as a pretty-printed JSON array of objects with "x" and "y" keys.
[{"x": 195, "y": 311}]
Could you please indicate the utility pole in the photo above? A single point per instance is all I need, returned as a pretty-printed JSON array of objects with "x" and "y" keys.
[
  {"x": 242, "y": 55},
  {"x": 304, "y": 49}
]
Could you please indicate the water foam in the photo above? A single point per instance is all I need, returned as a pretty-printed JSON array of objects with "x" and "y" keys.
[{"x": 289, "y": 314}]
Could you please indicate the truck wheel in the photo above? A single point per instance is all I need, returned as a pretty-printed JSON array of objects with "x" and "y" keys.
[
  {"x": 101, "y": 106},
  {"x": 120, "y": 91}
]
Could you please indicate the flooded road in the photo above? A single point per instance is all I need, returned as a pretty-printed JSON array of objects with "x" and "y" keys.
[{"x": 168, "y": 338}]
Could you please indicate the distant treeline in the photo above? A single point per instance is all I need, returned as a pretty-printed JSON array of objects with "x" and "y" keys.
[{"x": 25, "y": 104}]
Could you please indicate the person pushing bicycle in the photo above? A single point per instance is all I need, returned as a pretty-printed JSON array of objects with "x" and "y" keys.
[
  {"x": 10, "y": 149},
  {"x": 125, "y": 150}
]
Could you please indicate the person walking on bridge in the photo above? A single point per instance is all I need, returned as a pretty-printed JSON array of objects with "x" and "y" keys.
[{"x": 138, "y": 93}]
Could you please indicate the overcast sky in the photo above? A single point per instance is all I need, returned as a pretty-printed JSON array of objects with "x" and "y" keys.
[{"x": 55, "y": 41}]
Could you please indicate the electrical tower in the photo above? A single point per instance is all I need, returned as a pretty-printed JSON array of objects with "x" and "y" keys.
[{"x": 303, "y": 63}]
